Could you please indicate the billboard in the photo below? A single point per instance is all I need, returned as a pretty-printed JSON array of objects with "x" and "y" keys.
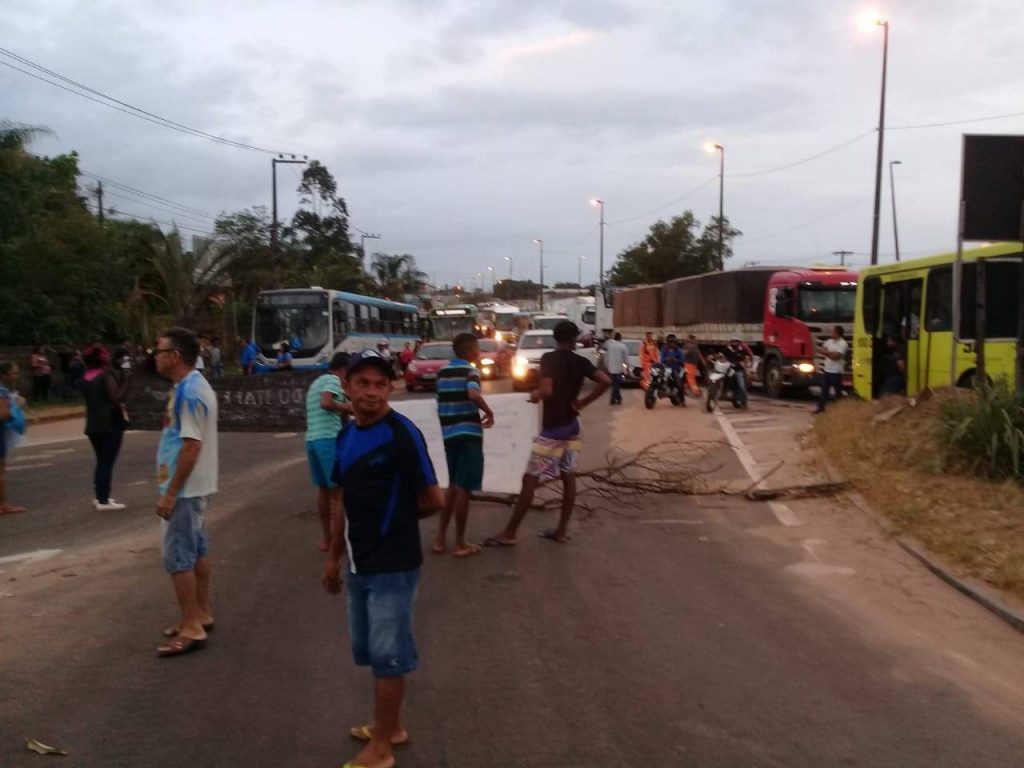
[{"x": 992, "y": 187}]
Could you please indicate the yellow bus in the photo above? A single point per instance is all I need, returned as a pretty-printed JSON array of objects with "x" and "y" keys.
[{"x": 892, "y": 299}]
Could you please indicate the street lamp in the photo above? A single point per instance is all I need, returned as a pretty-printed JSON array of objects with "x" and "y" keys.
[
  {"x": 491, "y": 270},
  {"x": 509, "y": 260},
  {"x": 600, "y": 252},
  {"x": 892, "y": 186},
  {"x": 540, "y": 246},
  {"x": 713, "y": 147},
  {"x": 868, "y": 20},
  {"x": 579, "y": 271}
]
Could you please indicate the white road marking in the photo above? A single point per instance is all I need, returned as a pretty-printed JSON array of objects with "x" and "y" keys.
[
  {"x": 279, "y": 435},
  {"x": 30, "y": 557},
  {"x": 30, "y": 466},
  {"x": 782, "y": 513}
]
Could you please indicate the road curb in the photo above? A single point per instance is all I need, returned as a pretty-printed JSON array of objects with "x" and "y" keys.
[
  {"x": 985, "y": 596},
  {"x": 34, "y": 420}
]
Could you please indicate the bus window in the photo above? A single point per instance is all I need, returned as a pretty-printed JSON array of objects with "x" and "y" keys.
[
  {"x": 374, "y": 320},
  {"x": 339, "y": 319},
  {"x": 872, "y": 299},
  {"x": 362, "y": 318},
  {"x": 892, "y": 310},
  {"x": 939, "y": 304}
]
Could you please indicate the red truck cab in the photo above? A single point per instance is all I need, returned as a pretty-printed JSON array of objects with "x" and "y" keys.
[{"x": 802, "y": 306}]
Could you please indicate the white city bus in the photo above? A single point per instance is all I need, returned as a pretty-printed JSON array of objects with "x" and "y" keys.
[{"x": 318, "y": 322}]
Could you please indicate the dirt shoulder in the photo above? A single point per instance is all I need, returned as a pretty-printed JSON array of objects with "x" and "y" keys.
[{"x": 896, "y": 463}]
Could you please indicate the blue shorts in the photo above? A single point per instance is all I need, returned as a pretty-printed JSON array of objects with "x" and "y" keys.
[
  {"x": 380, "y": 621},
  {"x": 184, "y": 535},
  {"x": 320, "y": 455},
  {"x": 465, "y": 463}
]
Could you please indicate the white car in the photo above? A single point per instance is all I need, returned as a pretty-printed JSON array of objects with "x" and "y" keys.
[{"x": 533, "y": 345}]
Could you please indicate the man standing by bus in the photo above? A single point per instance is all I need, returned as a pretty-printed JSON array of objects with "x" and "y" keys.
[
  {"x": 834, "y": 350},
  {"x": 388, "y": 483},
  {"x": 326, "y": 409}
]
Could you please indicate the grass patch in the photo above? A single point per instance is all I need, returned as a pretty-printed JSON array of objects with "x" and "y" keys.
[
  {"x": 33, "y": 408},
  {"x": 909, "y": 470}
]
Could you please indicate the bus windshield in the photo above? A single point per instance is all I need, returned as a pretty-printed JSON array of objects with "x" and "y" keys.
[
  {"x": 505, "y": 321},
  {"x": 299, "y": 319},
  {"x": 450, "y": 327},
  {"x": 827, "y": 305}
]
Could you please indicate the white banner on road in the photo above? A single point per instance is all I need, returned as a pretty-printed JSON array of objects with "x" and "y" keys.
[{"x": 506, "y": 445}]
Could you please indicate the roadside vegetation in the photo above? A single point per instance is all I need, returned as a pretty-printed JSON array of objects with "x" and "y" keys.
[{"x": 947, "y": 471}]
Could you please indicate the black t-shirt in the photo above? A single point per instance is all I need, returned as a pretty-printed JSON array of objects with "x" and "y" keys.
[
  {"x": 736, "y": 355},
  {"x": 567, "y": 370},
  {"x": 381, "y": 469}
]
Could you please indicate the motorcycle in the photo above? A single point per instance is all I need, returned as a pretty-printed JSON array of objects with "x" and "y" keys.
[
  {"x": 722, "y": 381},
  {"x": 662, "y": 383}
]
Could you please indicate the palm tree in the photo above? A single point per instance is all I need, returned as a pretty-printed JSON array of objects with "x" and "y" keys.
[
  {"x": 189, "y": 279},
  {"x": 17, "y": 135},
  {"x": 397, "y": 274}
]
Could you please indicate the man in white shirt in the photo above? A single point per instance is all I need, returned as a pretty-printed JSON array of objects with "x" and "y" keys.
[
  {"x": 834, "y": 350},
  {"x": 187, "y": 473},
  {"x": 616, "y": 358}
]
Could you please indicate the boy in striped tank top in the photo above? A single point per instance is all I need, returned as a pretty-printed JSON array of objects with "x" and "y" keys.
[{"x": 459, "y": 407}]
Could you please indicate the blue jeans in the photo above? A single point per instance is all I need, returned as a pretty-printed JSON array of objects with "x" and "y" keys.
[
  {"x": 380, "y": 621},
  {"x": 829, "y": 381},
  {"x": 616, "y": 388},
  {"x": 739, "y": 381}
]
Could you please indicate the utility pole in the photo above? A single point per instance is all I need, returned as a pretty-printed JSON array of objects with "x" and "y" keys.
[
  {"x": 363, "y": 237},
  {"x": 273, "y": 186},
  {"x": 842, "y": 256},
  {"x": 892, "y": 186},
  {"x": 881, "y": 142},
  {"x": 99, "y": 201},
  {"x": 540, "y": 245}
]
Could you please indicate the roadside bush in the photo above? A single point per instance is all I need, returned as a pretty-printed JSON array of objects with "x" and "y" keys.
[{"x": 984, "y": 431}]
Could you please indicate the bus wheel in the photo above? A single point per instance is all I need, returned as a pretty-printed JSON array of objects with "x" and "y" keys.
[{"x": 772, "y": 378}]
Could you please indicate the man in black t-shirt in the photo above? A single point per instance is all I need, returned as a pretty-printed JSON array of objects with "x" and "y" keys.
[
  {"x": 556, "y": 449},
  {"x": 388, "y": 483}
]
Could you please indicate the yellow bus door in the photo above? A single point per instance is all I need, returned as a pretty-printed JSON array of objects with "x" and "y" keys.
[{"x": 901, "y": 320}]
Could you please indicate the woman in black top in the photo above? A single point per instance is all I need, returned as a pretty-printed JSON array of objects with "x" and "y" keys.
[{"x": 105, "y": 419}]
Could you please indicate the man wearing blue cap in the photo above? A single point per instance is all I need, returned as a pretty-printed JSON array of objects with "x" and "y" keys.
[{"x": 388, "y": 483}]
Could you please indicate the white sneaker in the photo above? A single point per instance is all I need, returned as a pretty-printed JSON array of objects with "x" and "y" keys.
[{"x": 110, "y": 506}]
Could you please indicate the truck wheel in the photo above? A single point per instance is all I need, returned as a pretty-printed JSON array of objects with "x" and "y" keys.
[
  {"x": 773, "y": 378},
  {"x": 650, "y": 398}
]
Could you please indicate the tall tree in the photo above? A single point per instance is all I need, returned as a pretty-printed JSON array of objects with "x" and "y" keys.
[
  {"x": 188, "y": 280},
  {"x": 674, "y": 249},
  {"x": 397, "y": 274}
]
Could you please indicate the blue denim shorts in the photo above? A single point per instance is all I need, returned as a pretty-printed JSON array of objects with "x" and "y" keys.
[
  {"x": 380, "y": 621},
  {"x": 184, "y": 535},
  {"x": 320, "y": 455}
]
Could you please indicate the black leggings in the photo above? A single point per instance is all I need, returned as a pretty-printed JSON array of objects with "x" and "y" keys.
[{"x": 106, "y": 446}]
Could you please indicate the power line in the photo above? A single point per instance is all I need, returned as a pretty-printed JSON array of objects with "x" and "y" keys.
[
  {"x": 665, "y": 205},
  {"x": 150, "y": 196},
  {"x": 143, "y": 218},
  {"x": 795, "y": 163},
  {"x": 121, "y": 106},
  {"x": 163, "y": 209},
  {"x": 956, "y": 122}
]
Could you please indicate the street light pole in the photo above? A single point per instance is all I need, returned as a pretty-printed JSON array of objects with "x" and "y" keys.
[
  {"x": 600, "y": 251},
  {"x": 491, "y": 270},
  {"x": 713, "y": 147},
  {"x": 540, "y": 245},
  {"x": 892, "y": 186},
  {"x": 274, "y": 161},
  {"x": 881, "y": 141},
  {"x": 579, "y": 271},
  {"x": 509, "y": 260}
]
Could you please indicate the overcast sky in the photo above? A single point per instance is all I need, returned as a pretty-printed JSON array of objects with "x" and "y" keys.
[{"x": 460, "y": 130}]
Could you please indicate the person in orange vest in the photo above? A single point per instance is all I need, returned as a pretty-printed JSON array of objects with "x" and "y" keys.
[{"x": 649, "y": 354}]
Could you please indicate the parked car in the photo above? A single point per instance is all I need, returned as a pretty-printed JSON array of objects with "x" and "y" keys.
[
  {"x": 633, "y": 371},
  {"x": 533, "y": 345},
  {"x": 495, "y": 359},
  {"x": 421, "y": 373}
]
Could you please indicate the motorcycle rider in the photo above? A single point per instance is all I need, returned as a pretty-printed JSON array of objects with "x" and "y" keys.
[
  {"x": 649, "y": 354},
  {"x": 673, "y": 358},
  {"x": 739, "y": 354}
]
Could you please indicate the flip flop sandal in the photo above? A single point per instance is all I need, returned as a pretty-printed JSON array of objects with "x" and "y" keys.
[
  {"x": 175, "y": 631},
  {"x": 492, "y": 541},
  {"x": 179, "y": 646},
  {"x": 365, "y": 733},
  {"x": 552, "y": 535},
  {"x": 472, "y": 549}
]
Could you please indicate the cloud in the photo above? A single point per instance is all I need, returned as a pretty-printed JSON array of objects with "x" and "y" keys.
[{"x": 547, "y": 46}]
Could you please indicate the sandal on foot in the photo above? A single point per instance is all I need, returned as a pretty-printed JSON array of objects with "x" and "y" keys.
[
  {"x": 494, "y": 541},
  {"x": 179, "y": 646},
  {"x": 469, "y": 551},
  {"x": 176, "y": 630},
  {"x": 365, "y": 733},
  {"x": 552, "y": 535}
]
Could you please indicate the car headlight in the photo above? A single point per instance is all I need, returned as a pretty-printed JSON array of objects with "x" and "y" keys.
[
  {"x": 486, "y": 361},
  {"x": 520, "y": 362},
  {"x": 486, "y": 371},
  {"x": 806, "y": 367}
]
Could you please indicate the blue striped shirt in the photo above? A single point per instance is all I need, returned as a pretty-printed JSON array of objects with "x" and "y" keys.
[{"x": 460, "y": 418}]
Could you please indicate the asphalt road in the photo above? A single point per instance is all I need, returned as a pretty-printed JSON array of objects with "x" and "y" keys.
[{"x": 669, "y": 632}]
